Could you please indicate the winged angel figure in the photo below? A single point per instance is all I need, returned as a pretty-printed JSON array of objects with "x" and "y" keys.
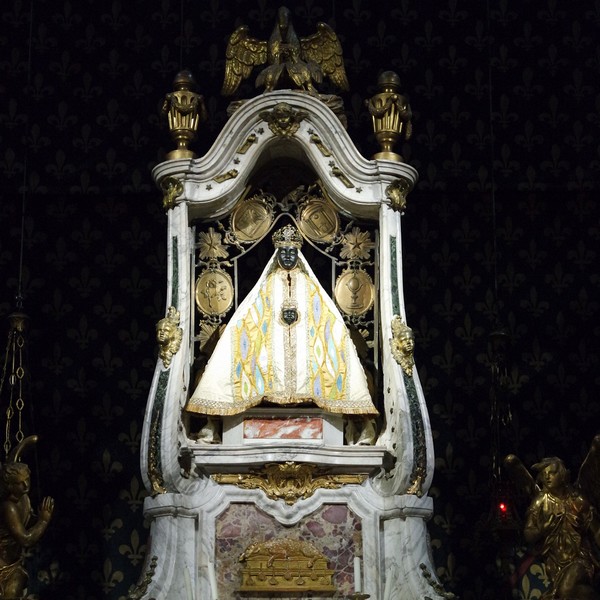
[
  {"x": 290, "y": 59},
  {"x": 16, "y": 533},
  {"x": 562, "y": 522}
]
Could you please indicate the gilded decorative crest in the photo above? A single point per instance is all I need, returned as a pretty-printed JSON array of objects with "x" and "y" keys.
[
  {"x": 214, "y": 292},
  {"x": 354, "y": 292},
  {"x": 285, "y": 565},
  {"x": 283, "y": 119},
  {"x": 396, "y": 193},
  {"x": 171, "y": 188},
  {"x": 288, "y": 481}
]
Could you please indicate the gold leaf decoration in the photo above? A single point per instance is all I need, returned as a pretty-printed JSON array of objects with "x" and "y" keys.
[{"x": 288, "y": 481}]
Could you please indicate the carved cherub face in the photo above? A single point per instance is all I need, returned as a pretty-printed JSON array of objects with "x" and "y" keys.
[
  {"x": 287, "y": 257},
  {"x": 164, "y": 331},
  {"x": 407, "y": 342}
]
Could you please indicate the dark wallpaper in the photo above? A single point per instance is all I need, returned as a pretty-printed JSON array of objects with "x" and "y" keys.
[{"x": 501, "y": 232}]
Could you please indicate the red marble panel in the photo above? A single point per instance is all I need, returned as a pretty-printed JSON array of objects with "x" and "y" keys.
[{"x": 290, "y": 428}]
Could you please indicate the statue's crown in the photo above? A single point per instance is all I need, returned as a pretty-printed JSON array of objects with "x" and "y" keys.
[{"x": 287, "y": 236}]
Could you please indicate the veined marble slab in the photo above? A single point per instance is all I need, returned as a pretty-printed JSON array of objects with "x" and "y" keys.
[
  {"x": 302, "y": 426},
  {"x": 283, "y": 428}
]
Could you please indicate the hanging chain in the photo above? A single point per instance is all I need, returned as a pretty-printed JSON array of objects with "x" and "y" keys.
[
  {"x": 20, "y": 375},
  {"x": 9, "y": 409},
  {"x": 16, "y": 402}
]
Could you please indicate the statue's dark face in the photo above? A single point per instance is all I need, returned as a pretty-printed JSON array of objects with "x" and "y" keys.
[
  {"x": 287, "y": 257},
  {"x": 289, "y": 315}
]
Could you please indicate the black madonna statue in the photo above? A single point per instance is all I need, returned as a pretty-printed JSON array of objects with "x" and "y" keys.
[{"x": 286, "y": 344}]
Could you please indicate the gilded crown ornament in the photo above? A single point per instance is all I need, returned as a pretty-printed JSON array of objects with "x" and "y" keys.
[
  {"x": 287, "y": 236},
  {"x": 391, "y": 116},
  {"x": 293, "y": 62}
]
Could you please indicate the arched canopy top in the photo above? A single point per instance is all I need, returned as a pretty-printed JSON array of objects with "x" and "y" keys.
[{"x": 277, "y": 126}]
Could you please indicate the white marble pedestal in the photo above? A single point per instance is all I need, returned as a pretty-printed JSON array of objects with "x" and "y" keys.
[{"x": 375, "y": 544}]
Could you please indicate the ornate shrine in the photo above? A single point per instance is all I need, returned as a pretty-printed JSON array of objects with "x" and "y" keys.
[{"x": 286, "y": 444}]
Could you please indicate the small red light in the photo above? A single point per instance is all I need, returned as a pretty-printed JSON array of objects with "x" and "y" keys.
[{"x": 502, "y": 507}]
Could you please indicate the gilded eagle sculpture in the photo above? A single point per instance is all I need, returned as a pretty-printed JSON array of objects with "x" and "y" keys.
[{"x": 291, "y": 60}]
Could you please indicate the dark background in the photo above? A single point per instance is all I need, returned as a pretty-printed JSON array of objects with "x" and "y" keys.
[{"x": 502, "y": 231}]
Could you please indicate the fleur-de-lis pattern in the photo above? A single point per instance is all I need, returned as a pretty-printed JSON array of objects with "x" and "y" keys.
[{"x": 502, "y": 230}]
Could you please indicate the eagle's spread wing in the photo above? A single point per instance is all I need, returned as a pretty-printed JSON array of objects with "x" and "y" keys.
[
  {"x": 589, "y": 474},
  {"x": 324, "y": 48},
  {"x": 242, "y": 55}
]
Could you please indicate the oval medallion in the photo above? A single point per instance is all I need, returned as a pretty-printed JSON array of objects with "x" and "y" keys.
[
  {"x": 354, "y": 292},
  {"x": 214, "y": 292},
  {"x": 319, "y": 221},
  {"x": 251, "y": 220}
]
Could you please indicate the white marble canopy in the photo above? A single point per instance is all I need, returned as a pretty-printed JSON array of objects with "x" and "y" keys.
[{"x": 185, "y": 502}]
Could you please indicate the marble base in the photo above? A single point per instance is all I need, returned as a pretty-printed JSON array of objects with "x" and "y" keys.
[{"x": 197, "y": 541}]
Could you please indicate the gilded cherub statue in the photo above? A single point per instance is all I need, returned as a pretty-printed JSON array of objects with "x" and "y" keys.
[
  {"x": 291, "y": 60},
  {"x": 169, "y": 335},
  {"x": 403, "y": 344},
  {"x": 562, "y": 522},
  {"x": 15, "y": 515}
]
